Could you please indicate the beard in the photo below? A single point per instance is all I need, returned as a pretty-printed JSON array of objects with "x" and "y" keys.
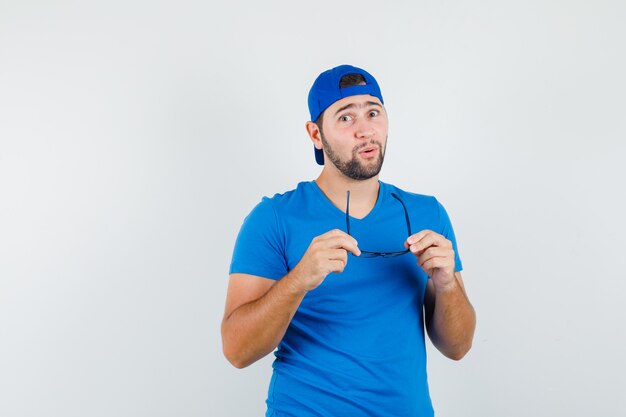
[{"x": 353, "y": 168}]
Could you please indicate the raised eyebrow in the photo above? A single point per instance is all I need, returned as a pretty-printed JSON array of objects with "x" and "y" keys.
[
  {"x": 373, "y": 103},
  {"x": 351, "y": 105}
]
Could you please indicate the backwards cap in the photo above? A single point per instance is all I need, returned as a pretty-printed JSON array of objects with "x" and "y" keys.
[{"x": 325, "y": 91}]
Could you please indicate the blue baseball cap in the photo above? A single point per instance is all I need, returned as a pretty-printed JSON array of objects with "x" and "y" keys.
[{"x": 325, "y": 91}]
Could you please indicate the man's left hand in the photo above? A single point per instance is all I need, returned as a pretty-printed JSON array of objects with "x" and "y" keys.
[{"x": 435, "y": 255}]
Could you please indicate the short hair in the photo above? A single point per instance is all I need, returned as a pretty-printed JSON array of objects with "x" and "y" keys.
[{"x": 347, "y": 80}]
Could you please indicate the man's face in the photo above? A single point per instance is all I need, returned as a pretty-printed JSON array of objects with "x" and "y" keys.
[{"x": 354, "y": 135}]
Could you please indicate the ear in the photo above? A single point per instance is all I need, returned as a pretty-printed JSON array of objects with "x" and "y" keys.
[{"x": 314, "y": 134}]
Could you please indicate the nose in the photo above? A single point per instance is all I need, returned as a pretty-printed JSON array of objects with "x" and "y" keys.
[{"x": 364, "y": 129}]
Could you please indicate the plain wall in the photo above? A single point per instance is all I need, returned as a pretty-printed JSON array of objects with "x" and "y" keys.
[{"x": 136, "y": 135}]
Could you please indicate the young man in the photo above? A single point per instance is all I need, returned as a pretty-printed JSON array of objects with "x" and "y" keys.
[{"x": 343, "y": 273}]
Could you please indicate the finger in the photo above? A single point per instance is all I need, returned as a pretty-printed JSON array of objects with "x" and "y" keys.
[
  {"x": 353, "y": 248},
  {"x": 337, "y": 266},
  {"x": 345, "y": 242},
  {"x": 427, "y": 234},
  {"x": 418, "y": 236},
  {"x": 335, "y": 234},
  {"x": 338, "y": 255},
  {"x": 435, "y": 251},
  {"x": 421, "y": 245},
  {"x": 427, "y": 240},
  {"x": 331, "y": 235},
  {"x": 442, "y": 257},
  {"x": 437, "y": 262}
]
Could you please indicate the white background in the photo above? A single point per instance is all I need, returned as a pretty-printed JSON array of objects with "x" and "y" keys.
[{"x": 136, "y": 135}]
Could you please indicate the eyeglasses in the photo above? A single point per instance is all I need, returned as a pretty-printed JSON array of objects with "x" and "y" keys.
[{"x": 370, "y": 254}]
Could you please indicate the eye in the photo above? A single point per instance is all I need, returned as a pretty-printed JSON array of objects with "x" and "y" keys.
[
  {"x": 374, "y": 113},
  {"x": 345, "y": 118}
]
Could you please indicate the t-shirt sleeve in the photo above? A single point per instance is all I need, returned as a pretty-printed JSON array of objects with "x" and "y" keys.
[
  {"x": 259, "y": 248},
  {"x": 445, "y": 227}
]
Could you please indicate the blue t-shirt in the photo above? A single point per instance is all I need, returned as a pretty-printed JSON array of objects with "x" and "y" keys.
[{"x": 355, "y": 346}]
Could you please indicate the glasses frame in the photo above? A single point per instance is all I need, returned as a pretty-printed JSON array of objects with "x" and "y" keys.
[{"x": 371, "y": 254}]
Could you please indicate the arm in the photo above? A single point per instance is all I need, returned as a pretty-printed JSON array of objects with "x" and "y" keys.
[
  {"x": 259, "y": 310},
  {"x": 450, "y": 318}
]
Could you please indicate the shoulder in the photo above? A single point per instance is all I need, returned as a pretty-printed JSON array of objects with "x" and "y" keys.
[
  {"x": 288, "y": 199},
  {"x": 422, "y": 206},
  {"x": 415, "y": 200},
  {"x": 264, "y": 226},
  {"x": 280, "y": 203},
  {"x": 280, "y": 199}
]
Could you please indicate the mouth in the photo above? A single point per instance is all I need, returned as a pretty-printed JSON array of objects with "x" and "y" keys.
[{"x": 368, "y": 152}]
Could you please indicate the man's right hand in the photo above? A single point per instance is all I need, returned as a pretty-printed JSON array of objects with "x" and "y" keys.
[
  {"x": 327, "y": 253},
  {"x": 259, "y": 310}
]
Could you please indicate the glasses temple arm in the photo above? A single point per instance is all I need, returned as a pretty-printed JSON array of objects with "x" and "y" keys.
[
  {"x": 348, "y": 211},
  {"x": 406, "y": 212}
]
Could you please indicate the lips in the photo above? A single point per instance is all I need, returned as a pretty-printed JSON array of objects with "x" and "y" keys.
[{"x": 368, "y": 151}]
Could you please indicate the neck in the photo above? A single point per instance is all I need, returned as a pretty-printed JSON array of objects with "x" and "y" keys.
[{"x": 363, "y": 193}]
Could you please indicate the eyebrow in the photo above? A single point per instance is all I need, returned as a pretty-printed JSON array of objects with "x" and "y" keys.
[{"x": 351, "y": 105}]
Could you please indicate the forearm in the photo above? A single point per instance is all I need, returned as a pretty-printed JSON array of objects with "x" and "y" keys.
[
  {"x": 453, "y": 321},
  {"x": 254, "y": 329}
]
